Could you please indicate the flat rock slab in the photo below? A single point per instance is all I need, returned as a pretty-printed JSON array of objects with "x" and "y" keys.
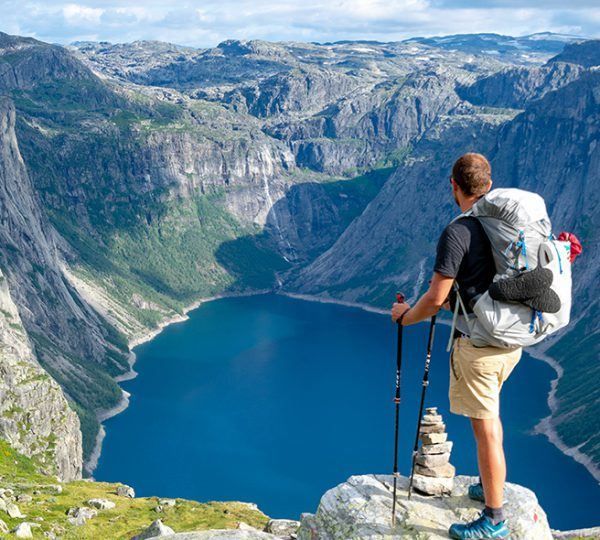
[
  {"x": 440, "y": 448},
  {"x": 432, "y": 419},
  {"x": 443, "y": 471},
  {"x": 433, "y": 428},
  {"x": 433, "y": 460},
  {"x": 360, "y": 509},
  {"x": 433, "y": 438}
]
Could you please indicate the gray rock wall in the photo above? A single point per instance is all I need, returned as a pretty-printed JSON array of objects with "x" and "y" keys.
[{"x": 35, "y": 417}]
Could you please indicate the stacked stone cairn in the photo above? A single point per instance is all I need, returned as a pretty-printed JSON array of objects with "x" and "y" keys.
[{"x": 434, "y": 475}]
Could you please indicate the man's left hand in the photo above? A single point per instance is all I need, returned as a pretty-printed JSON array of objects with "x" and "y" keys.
[{"x": 398, "y": 309}]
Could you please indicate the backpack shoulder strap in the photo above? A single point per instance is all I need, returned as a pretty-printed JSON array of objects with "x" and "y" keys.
[{"x": 459, "y": 303}]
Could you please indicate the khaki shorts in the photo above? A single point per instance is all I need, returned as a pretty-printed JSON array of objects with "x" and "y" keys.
[{"x": 476, "y": 378}]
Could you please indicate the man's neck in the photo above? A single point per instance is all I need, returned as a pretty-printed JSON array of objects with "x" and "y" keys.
[{"x": 467, "y": 203}]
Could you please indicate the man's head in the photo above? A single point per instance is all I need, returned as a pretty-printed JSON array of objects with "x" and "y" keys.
[{"x": 471, "y": 178}]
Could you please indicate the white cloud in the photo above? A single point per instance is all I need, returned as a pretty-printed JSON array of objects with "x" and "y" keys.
[
  {"x": 206, "y": 22},
  {"x": 77, "y": 14}
]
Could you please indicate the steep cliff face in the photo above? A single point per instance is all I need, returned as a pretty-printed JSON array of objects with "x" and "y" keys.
[
  {"x": 35, "y": 417},
  {"x": 374, "y": 123},
  {"x": 66, "y": 333},
  {"x": 515, "y": 87}
]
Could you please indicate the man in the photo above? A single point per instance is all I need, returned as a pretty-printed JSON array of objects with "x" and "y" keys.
[{"x": 477, "y": 373}]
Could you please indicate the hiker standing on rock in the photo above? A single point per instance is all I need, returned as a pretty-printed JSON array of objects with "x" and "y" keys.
[{"x": 464, "y": 256}]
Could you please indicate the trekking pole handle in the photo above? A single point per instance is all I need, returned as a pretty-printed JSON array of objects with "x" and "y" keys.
[{"x": 400, "y": 297}]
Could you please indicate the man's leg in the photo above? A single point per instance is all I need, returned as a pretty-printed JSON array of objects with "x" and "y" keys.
[
  {"x": 490, "y": 457},
  {"x": 476, "y": 378}
]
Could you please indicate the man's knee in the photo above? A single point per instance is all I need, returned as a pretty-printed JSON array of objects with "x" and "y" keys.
[{"x": 487, "y": 430}]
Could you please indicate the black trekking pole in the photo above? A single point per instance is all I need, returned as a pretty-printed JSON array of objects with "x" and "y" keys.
[
  {"x": 400, "y": 299},
  {"x": 425, "y": 385}
]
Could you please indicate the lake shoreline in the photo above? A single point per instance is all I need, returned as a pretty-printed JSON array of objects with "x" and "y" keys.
[
  {"x": 544, "y": 427},
  {"x": 92, "y": 462}
]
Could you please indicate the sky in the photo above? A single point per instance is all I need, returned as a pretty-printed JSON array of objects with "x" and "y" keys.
[{"x": 205, "y": 23}]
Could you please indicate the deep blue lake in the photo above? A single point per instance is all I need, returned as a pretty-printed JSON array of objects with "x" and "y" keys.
[{"x": 273, "y": 400}]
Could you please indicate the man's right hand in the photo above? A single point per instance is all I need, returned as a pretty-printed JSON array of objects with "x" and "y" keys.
[{"x": 398, "y": 309}]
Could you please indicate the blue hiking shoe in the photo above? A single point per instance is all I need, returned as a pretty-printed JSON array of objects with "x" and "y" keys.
[
  {"x": 476, "y": 492},
  {"x": 481, "y": 528}
]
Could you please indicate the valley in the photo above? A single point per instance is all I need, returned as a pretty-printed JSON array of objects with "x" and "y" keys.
[{"x": 137, "y": 178}]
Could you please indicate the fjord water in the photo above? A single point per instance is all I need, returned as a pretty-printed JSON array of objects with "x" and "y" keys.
[{"x": 273, "y": 400}]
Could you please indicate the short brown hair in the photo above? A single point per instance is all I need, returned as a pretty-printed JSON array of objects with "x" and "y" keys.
[{"x": 473, "y": 174}]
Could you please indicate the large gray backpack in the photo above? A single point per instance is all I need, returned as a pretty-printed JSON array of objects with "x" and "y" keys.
[{"x": 518, "y": 227}]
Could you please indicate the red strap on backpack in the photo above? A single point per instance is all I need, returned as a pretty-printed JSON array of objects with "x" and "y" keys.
[{"x": 576, "y": 247}]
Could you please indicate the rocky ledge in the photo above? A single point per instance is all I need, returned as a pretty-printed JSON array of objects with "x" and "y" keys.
[{"x": 361, "y": 509}]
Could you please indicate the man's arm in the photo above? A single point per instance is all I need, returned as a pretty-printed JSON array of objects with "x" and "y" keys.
[{"x": 428, "y": 305}]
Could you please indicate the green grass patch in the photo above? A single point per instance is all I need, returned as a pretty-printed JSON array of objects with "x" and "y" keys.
[{"x": 129, "y": 517}]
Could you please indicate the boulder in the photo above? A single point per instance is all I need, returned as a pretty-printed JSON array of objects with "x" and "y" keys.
[
  {"x": 360, "y": 509},
  {"x": 3, "y": 527},
  {"x": 433, "y": 438},
  {"x": 126, "y": 491},
  {"x": 79, "y": 515},
  {"x": 156, "y": 529},
  {"x": 167, "y": 502},
  {"x": 24, "y": 498},
  {"x": 282, "y": 527},
  {"x": 101, "y": 504},
  {"x": 23, "y": 530},
  {"x": 13, "y": 510}
]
